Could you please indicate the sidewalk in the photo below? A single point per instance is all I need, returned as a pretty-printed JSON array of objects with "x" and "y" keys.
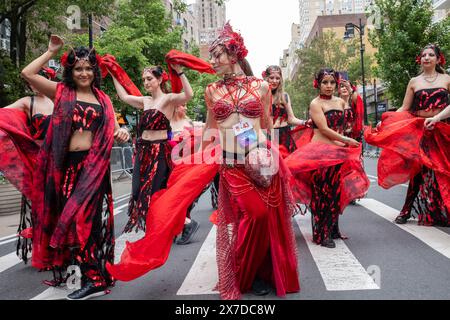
[{"x": 10, "y": 223}]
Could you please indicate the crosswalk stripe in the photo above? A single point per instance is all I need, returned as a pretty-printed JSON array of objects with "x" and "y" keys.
[
  {"x": 8, "y": 261},
  {"x": 338, "y": 266},
  {"x": 433, "y": 237},
  {"x": 62, "y": 292},
  {"x": 203, "y": 276},
  {"x": 11, "y": 259}
]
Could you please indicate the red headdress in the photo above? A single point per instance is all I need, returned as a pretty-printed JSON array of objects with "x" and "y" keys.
[
  {"x": 439, "y": 55},
  {"x": 232, "y": 41}
]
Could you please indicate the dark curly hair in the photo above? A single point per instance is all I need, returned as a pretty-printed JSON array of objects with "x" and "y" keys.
[{"x": 81, "y": 52}]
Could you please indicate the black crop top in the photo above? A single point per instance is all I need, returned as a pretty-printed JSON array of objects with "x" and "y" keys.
[
  {"x": 335, "y": 120},
  {"x": 86, "y": 116}
]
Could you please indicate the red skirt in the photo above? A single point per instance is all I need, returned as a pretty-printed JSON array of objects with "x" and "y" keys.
[{"x": 407, "y": 148}]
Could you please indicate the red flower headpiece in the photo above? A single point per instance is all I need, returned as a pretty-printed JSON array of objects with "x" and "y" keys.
[
  {"x": 164, "y": 77},
  {"x": 65, "y": 57},
  {"x": 233, "y": 42},
  {"x": 316, "y": 83},
  {"x": 264, "y": 74}
]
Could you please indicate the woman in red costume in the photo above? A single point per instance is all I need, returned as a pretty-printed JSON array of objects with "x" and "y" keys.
[
  {"x": 328, "y": 170},
  {"x": 255, "y": 242},
  {"x": 282, "y": 115},
  {"x": 354, "y": 112},
  {"x": 152, "y": 161},
  {"x": 73, "y": 182},
  {"x": 38, "y": 109},
  {"x": 410, "y": 152},
  {"x": 183, "y": 128}
]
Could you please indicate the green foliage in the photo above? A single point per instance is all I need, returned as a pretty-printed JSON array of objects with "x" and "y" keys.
[
  {"x": 405, "y": 28},
  {"x": 324, "y": 51},
  {"x": 12, "y": 87}
]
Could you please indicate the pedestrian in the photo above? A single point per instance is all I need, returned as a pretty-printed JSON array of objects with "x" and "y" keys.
[
  {"x": 73, "y": 183},
  {"x": 153, "y": 164},
  {"x": 328, "y": 170},
  {"x": 412, "y": 153},
  {"x": 282, "y": 114},
  {"x": 38, "y": 109}
]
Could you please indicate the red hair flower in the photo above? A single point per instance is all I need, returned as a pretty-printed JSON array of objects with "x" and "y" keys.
[
  {"x": 64, "y": 59},
  {"x": 442, "y": 61},
  {"x": 264, "y": 74},
  {"x": 316, "y": 83},
  {"x": 164, "y": 77},
  {"x": 419, "y": 59}
]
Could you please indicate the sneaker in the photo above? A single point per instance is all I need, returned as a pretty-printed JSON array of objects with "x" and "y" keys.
[
  {"x": 329, "y": 243},
  {"x": 88, "y": 291},
  {"x": 401, "y": 219},
  {"x": 189, "y": 231},
  {"x": 260, "y": 287}
]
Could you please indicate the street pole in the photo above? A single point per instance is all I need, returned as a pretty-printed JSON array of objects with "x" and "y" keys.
[
  {"x": 375, "y": 92},
  {"x": 361, "y": 33},
  {"x": 91, "y": 40}
]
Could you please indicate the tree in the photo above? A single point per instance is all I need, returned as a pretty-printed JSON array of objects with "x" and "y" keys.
[
  {"x": 406, "y": 27},
  {"x": 324, "y": 51}
]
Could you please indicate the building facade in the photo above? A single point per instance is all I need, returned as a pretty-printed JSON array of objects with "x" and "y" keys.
[
  {"x": 311, "y": 9},
  {"x": 188, "y": 21},
  {"x": 441, "y": 10}
]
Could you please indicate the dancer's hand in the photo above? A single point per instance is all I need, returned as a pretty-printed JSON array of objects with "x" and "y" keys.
[
  {"x": 121, "y": 135},
  {"x": 430, "y": 122},
  {"x": 351, "y": 142},
  {"x": 177, "y": 68},
  {"x": 55, "y": 44}
]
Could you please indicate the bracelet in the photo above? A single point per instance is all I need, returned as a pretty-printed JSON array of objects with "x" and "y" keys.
[{"x": 180, "y": 74}]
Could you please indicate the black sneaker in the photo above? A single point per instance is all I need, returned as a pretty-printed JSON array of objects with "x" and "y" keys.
[
  {"x": 189, "y": 231},
  {"x": 329, "y": 243},
  {"x": 401, "y": 219},
  {"x": 88, "y": 291},
  {"x": 260, "y": 287}
]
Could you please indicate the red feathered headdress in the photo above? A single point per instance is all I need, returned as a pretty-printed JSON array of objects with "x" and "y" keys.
[{"x": 232, "y": 41}]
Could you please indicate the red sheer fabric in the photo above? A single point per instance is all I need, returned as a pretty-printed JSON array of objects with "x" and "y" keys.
[
  {"x": 188, "y": 61},
  {"x": 358, "y": 110},
  {"x": 53, "y": 223},
  {"x": 314, "y": 156},
  {"x": 109, "y": 62},
  {"x": 407, "y": 146},
  {"x": 165, "y": 220},
  {"x": 18, "y": 150}
]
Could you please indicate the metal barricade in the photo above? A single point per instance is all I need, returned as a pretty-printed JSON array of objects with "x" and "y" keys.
[{"x": 122, "y": 162}]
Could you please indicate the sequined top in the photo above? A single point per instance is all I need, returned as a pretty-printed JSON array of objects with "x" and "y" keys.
[
  {"x": 335, "y": 120},
  {"x": 250, "y": 109},
  {"x": 86, "y": 116},
  {"x": 153, "y": 119},
  {"x": 429, "y": 99}
]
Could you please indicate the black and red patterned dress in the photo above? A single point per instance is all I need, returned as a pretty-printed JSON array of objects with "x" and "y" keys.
[
  {"x": 73, "y": 221},
  {"x": 38, "y": 125},
  {"x": 152, "y": 168},
  {"x": 412, "y": 153},
  {"x": 286, "y": 141},
  {"x": 327, "y": 178}
]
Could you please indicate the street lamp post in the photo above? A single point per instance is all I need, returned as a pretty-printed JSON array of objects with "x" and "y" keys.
[{"x": 350, "y": 33}]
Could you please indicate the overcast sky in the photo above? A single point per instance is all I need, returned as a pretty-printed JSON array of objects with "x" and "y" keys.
[{"x": 265, "y": 26}]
